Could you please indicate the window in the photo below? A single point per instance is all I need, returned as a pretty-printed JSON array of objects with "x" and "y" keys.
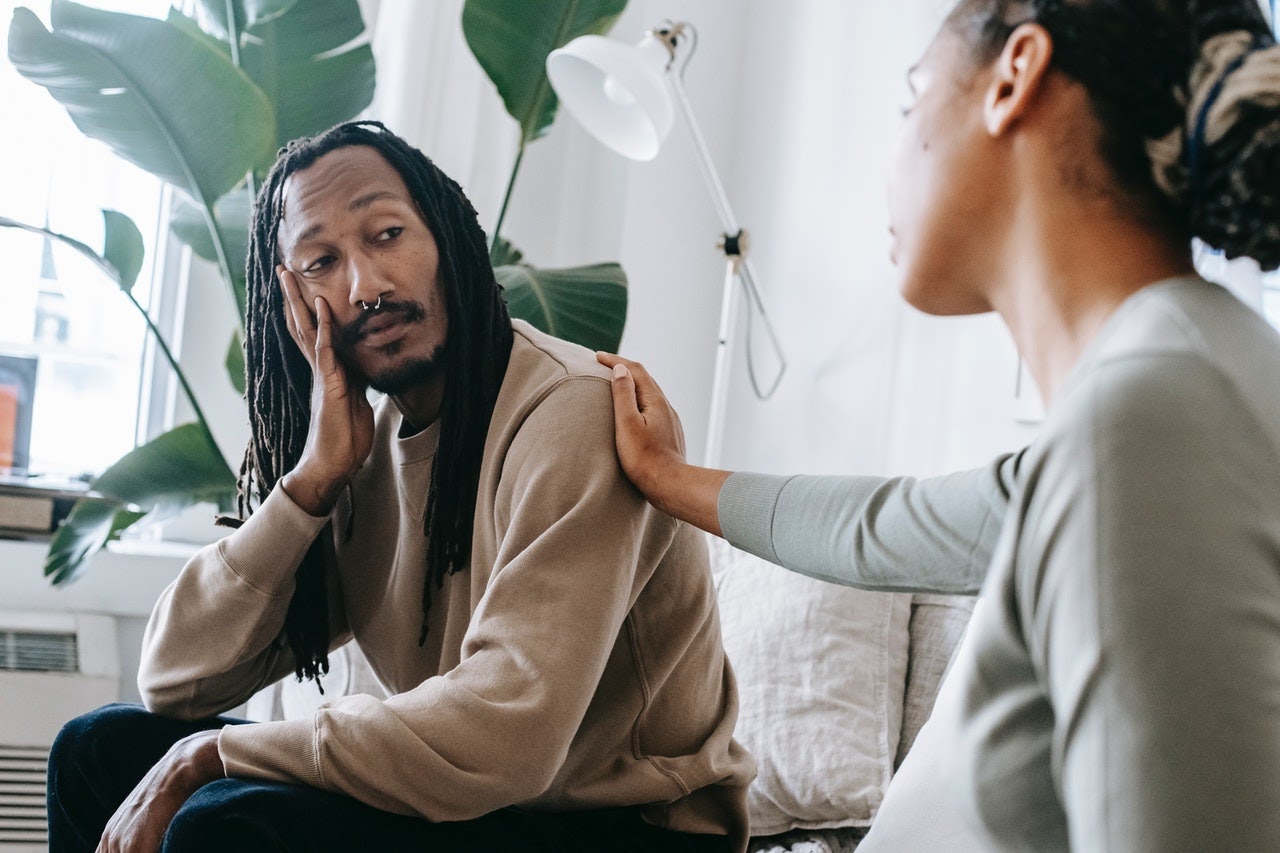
[{"x": 71, "y": 346}]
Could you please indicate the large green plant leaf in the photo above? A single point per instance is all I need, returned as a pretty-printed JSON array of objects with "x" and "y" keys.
[
  {"x": 504, "y": 254},
  {"x": 213, "y": 14},
  {"x": 306, "y": 62},
  {"x": 157, "y": 94},
  {"x": 182, "y": 466},
  {"x": 108, "y": 268},
  {"x": 586, "y": 305},
  {"x": 234, "y": 362},
  {"x": 511, "y": 39},
  {"x": 123, "y": 247},
  {"x": 176, "y": 469},
  {"x": 231, "y": 215},
  {"x": 92, "y": 523}
]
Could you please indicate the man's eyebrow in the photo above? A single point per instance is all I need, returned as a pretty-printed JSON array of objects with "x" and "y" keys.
[
  {"x": 361, "y": 202},
  {"x": 369, "y": 198}
]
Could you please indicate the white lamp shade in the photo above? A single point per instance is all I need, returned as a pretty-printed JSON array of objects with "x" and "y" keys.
[{"x": 616, "y": 91}]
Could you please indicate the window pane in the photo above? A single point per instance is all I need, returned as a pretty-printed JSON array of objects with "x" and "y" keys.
[{"x": 86, "y": 340}]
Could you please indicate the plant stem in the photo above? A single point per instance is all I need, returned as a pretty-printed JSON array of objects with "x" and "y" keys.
[
  {"x": 224, "y": 264},
  {"x": 233, "y": 40},
  {"x": 506, "y": 199},
  {"x": 173, "y": 363},
  {"x": 233, "y": 32}
]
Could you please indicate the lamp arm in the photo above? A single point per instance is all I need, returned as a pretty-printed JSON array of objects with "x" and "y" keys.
[
  {"x": 727, "y": 219},
  {"x": 718, "y": 196}
]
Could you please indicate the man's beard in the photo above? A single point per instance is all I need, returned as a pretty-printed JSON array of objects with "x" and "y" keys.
[
  {"x": 414, "y": 373},
  {"x": 411, "y": 374}
]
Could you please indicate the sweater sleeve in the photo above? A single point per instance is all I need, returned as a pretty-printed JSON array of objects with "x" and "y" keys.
[
  {"x": 891, "y": 534},
  {"x": 576, "y": 544},
  {"x": 213, "y": 638},
  {"x": 1148, "y": 591}
]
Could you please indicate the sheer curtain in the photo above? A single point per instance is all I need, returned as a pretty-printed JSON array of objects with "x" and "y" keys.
[{"x": 432, "y": 92}]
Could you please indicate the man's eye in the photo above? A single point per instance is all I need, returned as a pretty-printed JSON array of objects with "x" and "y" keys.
[
  {"x": 318, "y": 264},
  {"x": 390, "y": 234}
]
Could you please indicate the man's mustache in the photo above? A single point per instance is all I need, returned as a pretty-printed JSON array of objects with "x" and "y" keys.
[{"x": 411, "y": 312}]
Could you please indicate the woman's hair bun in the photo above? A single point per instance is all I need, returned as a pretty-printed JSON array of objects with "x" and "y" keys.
[{"x": 1230, "y": 175}]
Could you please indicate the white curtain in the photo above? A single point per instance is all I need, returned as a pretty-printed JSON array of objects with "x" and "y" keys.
[{"x": 433, "y": 92}]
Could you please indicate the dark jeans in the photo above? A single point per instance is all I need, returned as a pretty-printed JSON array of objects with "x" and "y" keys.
[{"x": 98, "y": 759}]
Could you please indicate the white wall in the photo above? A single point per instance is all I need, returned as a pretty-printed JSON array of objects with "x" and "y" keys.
[{"x": 800, "y": 106}]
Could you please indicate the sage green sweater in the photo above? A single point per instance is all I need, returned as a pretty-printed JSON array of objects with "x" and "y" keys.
[
  {"x": 577, "y": 664},
  {"x": 1119, "y": 685}
]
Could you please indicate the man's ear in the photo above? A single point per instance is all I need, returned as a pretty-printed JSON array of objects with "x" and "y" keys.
[{"x": 1017, "y": 77}]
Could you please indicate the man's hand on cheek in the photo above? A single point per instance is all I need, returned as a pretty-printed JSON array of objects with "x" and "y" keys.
[
  {"x": 340, "y": 435},
  {"x": 140, "y": 823}
]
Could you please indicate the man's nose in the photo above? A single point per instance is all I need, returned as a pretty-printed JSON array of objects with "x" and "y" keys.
[{"x": 365, "y": 284}]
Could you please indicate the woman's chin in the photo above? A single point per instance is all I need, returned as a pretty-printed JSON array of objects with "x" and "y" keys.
[{"x": 938, "y": 296}]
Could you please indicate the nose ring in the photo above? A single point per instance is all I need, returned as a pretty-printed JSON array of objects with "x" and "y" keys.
[{"x": 365, "y": 306}]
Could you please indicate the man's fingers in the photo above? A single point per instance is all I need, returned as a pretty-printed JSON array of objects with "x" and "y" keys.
[
  {"x": 326, "y": 361},
  {"x": 298, "y": 319}
]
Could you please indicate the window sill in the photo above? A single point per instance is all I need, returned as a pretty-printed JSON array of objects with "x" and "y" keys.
[{"x": 123, "y": 580}]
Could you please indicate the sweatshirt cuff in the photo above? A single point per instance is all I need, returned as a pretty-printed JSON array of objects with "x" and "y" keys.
[
  {"x": 745, "y": 509},
  {"x": 267, "y": 549},
  {"x": 281, "y": 751}
]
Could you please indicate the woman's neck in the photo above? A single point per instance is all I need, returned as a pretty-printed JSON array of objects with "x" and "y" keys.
[{"x": 1065, "y": 271}]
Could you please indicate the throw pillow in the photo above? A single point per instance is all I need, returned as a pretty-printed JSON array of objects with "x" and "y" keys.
[{"x": 821, "y": 673}]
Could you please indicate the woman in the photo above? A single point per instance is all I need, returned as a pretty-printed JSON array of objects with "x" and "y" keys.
[{"x": 1119, "y": 686}]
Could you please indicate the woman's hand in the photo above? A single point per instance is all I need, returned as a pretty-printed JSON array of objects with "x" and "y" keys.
[
  {"x": 340, "y": 435},
  {"x": 651, "y": 448}
]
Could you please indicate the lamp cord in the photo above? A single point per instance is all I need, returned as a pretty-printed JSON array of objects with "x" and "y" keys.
[{"x": 751, "y": 359}]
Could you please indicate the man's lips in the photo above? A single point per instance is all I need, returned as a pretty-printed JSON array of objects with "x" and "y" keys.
[
  {"x": 382, "y": 330},
  {"x": 382, "y": 326}
]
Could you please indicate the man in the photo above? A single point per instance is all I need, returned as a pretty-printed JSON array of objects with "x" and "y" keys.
[{"x": 551, "y": 644}]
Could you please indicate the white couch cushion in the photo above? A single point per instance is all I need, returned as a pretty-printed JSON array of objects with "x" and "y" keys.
[{"x": 821, "y": 672}]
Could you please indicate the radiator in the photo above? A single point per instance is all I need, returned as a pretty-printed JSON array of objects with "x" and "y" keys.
[{"x": 53, "y": 666}]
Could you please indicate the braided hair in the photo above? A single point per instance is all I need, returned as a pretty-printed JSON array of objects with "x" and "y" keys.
[
  {"x": 278, "y": 377},
  {"x": 1188, "y": 95}
]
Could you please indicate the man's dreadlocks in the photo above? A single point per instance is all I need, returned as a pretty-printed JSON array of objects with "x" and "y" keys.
[{"x": 278, "y": 377}]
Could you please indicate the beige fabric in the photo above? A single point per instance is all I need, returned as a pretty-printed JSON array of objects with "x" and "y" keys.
[
  {"x": 576, "y": 664},
  {"x": 937, "y": 624},
  {"x": 821, "y": 671}
]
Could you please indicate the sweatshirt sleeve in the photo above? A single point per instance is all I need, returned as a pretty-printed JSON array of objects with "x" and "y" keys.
[
  {"x": 1148, "y": 591},
  {"x": 213, "y": 638},
  {"x": 890, "y": 534},
  {"x": 576, "y": 544}
]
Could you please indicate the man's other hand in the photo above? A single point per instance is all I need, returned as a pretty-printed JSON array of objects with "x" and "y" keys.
[{"x": 140, "y": 823}]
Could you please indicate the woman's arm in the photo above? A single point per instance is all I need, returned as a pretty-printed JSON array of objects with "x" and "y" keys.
[{"x": 933, "y": 535}]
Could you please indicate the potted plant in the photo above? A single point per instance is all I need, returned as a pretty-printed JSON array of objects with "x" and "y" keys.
[{"x": 203, "y": 103}]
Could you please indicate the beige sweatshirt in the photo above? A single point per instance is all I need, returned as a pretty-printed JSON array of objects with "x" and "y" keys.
[{"x": 577, "y": 664}]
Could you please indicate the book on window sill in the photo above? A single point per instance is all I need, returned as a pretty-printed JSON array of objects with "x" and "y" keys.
[{"x": 32, "y": 506}]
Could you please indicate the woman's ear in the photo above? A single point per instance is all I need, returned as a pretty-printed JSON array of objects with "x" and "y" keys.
[{"x": 1017, "y": 77}]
